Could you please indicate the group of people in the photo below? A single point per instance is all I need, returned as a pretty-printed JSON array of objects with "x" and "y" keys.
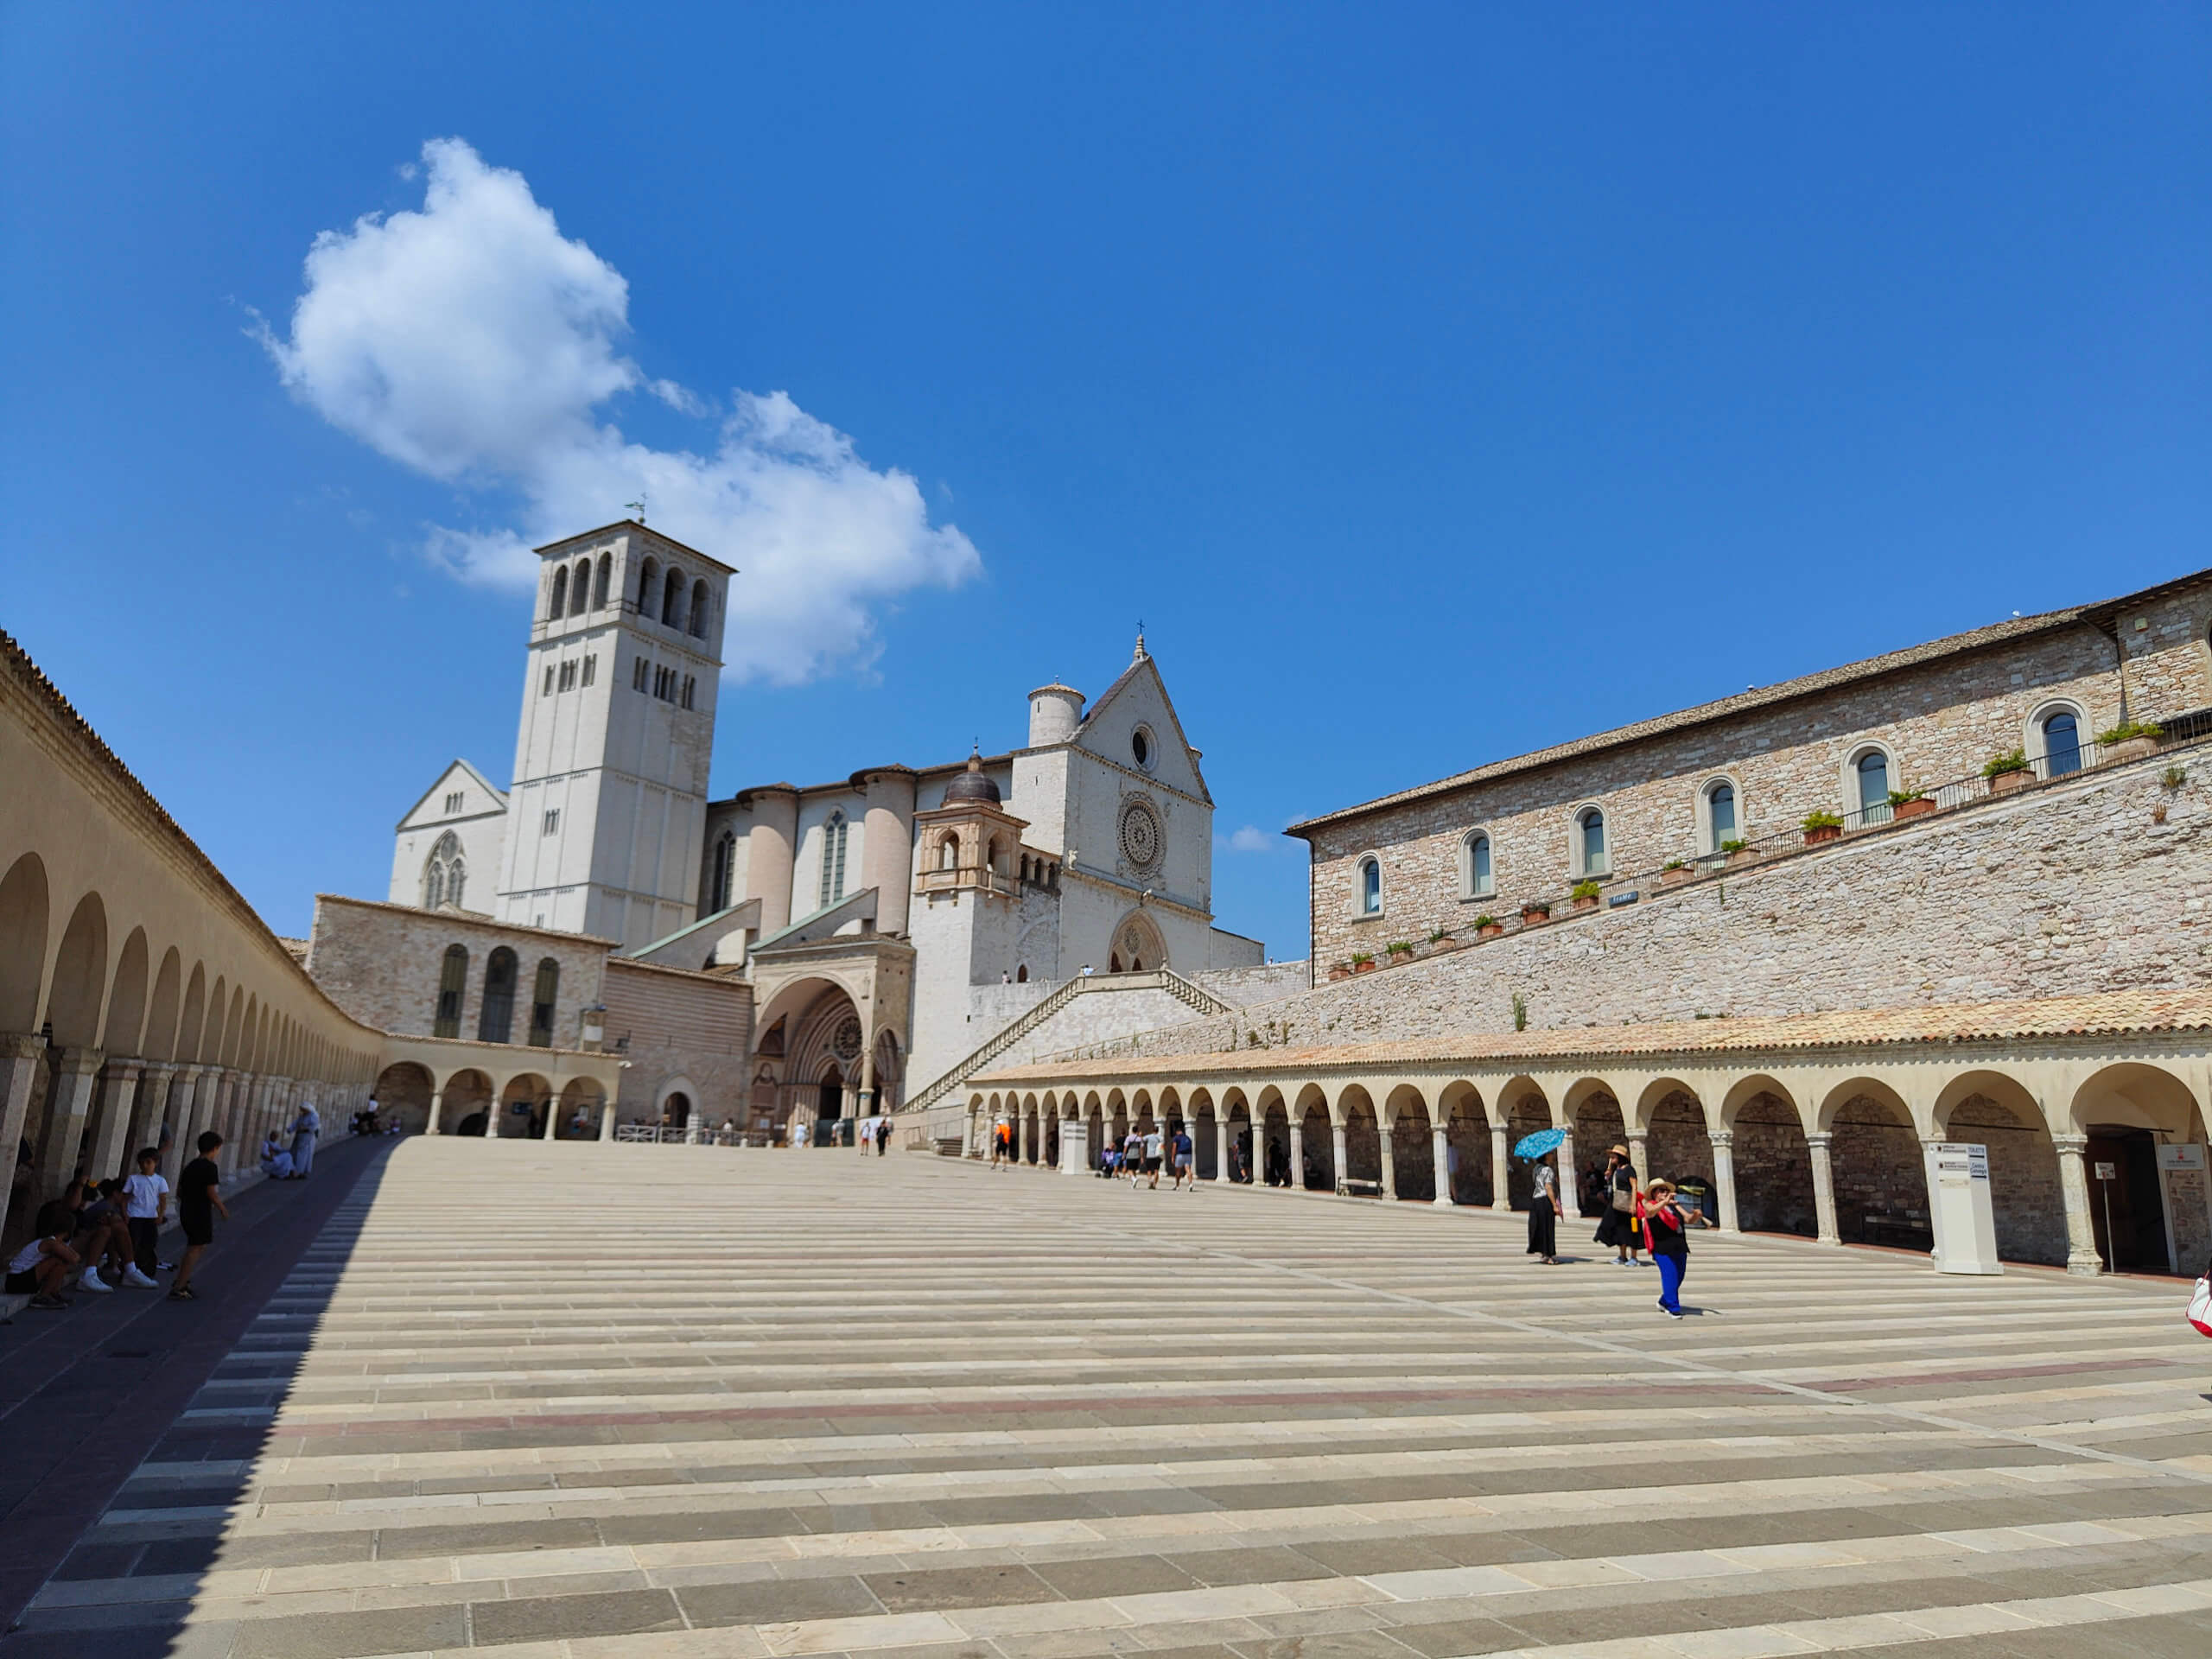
[
  {"x": 1144, "y": 1152},
  {"x": 104, "y": 1231},
  {"x": 291, "y": 1162},
  {"x": 1637, "y": 1219}
]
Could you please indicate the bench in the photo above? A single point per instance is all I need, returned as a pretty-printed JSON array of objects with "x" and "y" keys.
[{"x": 1352, "y": 1188}]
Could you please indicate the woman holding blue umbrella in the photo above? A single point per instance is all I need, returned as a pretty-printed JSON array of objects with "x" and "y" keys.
[{"x": 1543, "y": 1201}]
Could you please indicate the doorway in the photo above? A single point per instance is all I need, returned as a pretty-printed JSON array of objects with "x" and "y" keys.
[{"x": 2127, "y": 1211}]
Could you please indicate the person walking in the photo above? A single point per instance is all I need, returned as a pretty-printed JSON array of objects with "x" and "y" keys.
[
  {"x": 1666, "y": 1222},
  {"x": 307, "y": 1130},
  {"x": 198, "y": 1203},
  {"x": 1152, "y": 1150},
  {"x": 1543, "y": 1212},
  {"x": 882, "y": 1135},
  {"x": 1178, "y": 1155},
  {"x": 1617, "y": 1226},
  {"x": 146, "y": 1206}
]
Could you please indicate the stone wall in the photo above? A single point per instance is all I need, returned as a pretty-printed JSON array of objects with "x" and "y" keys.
[
  {"x": 1939, "y": 719},
  {"x": 2095, "y": 884}
]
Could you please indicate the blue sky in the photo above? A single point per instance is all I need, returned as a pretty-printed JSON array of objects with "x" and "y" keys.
[{"x": 1436, "y": 383}]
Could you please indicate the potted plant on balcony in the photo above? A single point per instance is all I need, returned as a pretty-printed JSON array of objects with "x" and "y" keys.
[
  {"x": 2007, "y": 772},
  {"x": 1440, "y": 939},
  {"x": 1676, "y": 872},
  {"x": 1487, "y": 926},
  {"x": 1536, "y": 911},
  {"x": 2129, "y": 741},
  {"x": 1362, "y": 962},
  {"x": 1340, "y": 971},
  {"x": 1586, "y": 895},
  {"x": 1822, "y": 826},
  {"x": 1910, "y": 802},
  {"x": 1737, "y": 852},
  {"x": 1401, "y": 948}
]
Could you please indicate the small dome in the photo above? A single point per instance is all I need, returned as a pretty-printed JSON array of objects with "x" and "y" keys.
[{"x": 972, "y": 785}]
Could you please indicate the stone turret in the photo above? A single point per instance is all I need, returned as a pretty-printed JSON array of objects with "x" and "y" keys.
[{"x": 1055, "y": 711}]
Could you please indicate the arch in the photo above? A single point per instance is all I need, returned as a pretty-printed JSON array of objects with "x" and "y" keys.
[
  {"x": 2125, "y": 1112},
  {"x": 467, "y": 1097},
  {"x": 444, "y": 873},
  {"x": 161, "y": 1038},
  {"x": 452, "y": 988},
  {"x": 1363, "y": 1137},
  {"x": 603, "y": 581},
  {"x": 215, "y": 1027},
  {"x": 1526, "y": 1110},
  {"x": 22, "y": 943},
  {"x": 1720, "y": 816},
  {"x": 1317, "y": 1171},
  {"x": 495, "y": 1019},
  {"x": 1773, "y": 1162},
  {"x": 78, "y": 985},
  {"x": 1877, "y": 1166},
  {"x": 1412, "y": 1156},
  {"x": 1870, "y": 773},
  {"x": 646, "y": 573},
  {"x": 1477, "y": 872},
  {"x": 1994, "y": 1110},
  {"x": 948, "y": 852},
  {"x": 578, "y": 1113},
  {"x": 557, "y": 606},
  {"x": 1139, "y": 944},
  {"x": 534, "y": 1093},
  {"x": 1678, "y": 1140},
  {"x": 544, "y": 1000},
  {"x": 1205, "y": 1120},
  {"x": 2054, "y": 737},
  {"x": 579, "y": 588},
  {"x": 1467, "y": 1143},
  {"x": 1599, "y": 1126},
  {"x": 402, "y": 1093},
  {"x": 126, "y": 997},
  {"x": 698, "y": 609},
  {"x": 671, "y": 599}
]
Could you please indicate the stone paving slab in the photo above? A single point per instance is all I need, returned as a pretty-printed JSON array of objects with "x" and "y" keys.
[{"x": 585, "y": 1402}]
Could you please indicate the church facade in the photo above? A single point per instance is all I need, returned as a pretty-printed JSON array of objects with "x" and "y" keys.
[{"x": 878, "y": 927}]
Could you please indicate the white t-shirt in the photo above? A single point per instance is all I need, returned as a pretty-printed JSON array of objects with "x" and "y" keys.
[
  {"x": 144, "y": 1194},
  {"x": 1152, "y": 1144},
  {"x": 26, "y": 1258}
]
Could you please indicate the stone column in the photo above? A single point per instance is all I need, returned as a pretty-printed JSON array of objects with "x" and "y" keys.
[
  {"x": 1501, "y": 1191},
  {"x": 1441, "y": 1154},
  {"x": 1297, "y": 1154},
  {"x": 1337, "y": 1145},
  {"x": 183, "y": 1109},
  {"x": 1639, "y": 1155},
  {"x": 152, "y": 1105},
  {"x": 1570, "y": 1180},
  {"x": 2074, "y": 1187},
  {"x": 1389, "y": 1159},
  {"x": 64, "y": 1129},
  {"x": 1724, "y": 1176},
  {"x": 19, "y": 1058},
  {"x": 119, "y": 1093},
  {"x": 1220, "y": 1146},
  {"x": 437, "y": 1123},
  {"x": 1823, "y": 1189},
  {"x": 606, "y": 1118}
]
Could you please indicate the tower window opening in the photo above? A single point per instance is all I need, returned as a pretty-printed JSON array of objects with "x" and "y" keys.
[
  {"x": 833, "y": 860},
  {"x": 544, "y": 996},
  {"x": 559, "y": 606},
  {"x": 637, "y": 674},
  {"x": 548, "y": 682},
  {"x": 600, "y": 584},
  {"x": 579, "y": 588},
  {"x": 552, "y": 824},
  {"x": 699, "y": 604},
  {"x": 497, "y": 1022},
  {"x": 672, "y": 601},
  {"x": 645, "y": 575},
  {"x": 591, "y": 668},
  {"x": 452, "y": 984}
]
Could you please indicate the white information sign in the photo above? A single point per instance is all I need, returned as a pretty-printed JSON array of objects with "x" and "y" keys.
[
  {"x": 1075, "y": 1146},
  {"x": 1966, "y": 1215}
]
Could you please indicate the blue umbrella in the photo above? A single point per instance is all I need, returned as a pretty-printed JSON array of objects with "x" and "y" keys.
[{"x": 1536, "y": 1145}]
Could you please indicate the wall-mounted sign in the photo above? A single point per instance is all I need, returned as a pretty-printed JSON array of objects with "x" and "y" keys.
[{"x": 2181, "y": 1158}]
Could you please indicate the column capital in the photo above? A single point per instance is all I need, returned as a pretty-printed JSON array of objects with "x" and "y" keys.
[
  {"x": 20, "y": 1046},
  {"x": 1820, "y": 1138},
  {"x": 80, "y": 1062},
  {"x": 2076, "y": 1144},
  {"x": 125, "y": 1069},
  {"x": 1721, "y": 1137}
]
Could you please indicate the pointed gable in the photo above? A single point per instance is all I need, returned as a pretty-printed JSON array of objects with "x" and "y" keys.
[
  {"x": 1137, "y": 706},
  {"x": 479, "y": 798}
]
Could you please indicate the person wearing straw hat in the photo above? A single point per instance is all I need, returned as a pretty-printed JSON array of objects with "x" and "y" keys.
[{"x": 1618, "y": 1225}]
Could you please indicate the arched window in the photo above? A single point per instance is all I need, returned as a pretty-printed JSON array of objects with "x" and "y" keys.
[
  {"x": 1720, "y": 816},
  {"x": 606, "y": 575},
  {"x": 725, "y": 872},
  {"x": 1873, "y": 787},
  {"x": 948, "y": 853},
  {"x": 1021, "y": 975},
  {"x": 2062, "y": 744},
  {"x": 580, "y": 588},
  {"x": 833, "y": 860},
  {"x": 542, "y": 1000},
  {"x": 559, "y": 607},
  {"x": 699, "y": 608},
  {"x": 671, "y": 599},
  {"x": 1370, "y": 887},
  {"x": 497, "y": 1022},
  {"x": 1476, "y": 877},
  {"x": 1589, "y": 842},
  {"x": 645, "y": 575},
  {"x": 452, "y": 985},
  {"x": 444, "y": 873}
]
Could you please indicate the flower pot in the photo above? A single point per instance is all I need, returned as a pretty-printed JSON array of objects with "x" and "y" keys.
[
  {"x": 2133, "y": 748},
  {"x": 1490, "y": 930},
  {"x": 1741, "y": 856},
  {"x": 1590, "y": 903},
  {"x": 1675, "y": 877},
  {"x": 1362, "y": 967},
  {"x": 1397, "y": 956},
  {"x": 1339, "y": 970},
  {"x": 1915, "y": 808},
  {"x": 2005, "y": 782},
  {"x": 1826, "y": 832},
  {"x": 1437, "y": 946},
  {"x": 1532, "y": 916}
]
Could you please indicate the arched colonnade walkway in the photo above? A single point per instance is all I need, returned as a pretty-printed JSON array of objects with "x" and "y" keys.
[{"x": 1823, "y": 1126}]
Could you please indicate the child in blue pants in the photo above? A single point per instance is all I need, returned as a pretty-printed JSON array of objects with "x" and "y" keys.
[{"x": 1666, "y": 1223}]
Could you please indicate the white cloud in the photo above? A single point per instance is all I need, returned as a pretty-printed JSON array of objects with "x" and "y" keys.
[
  {"x": 472, "y": 342},
  {"x": 1250, "y": 839}
]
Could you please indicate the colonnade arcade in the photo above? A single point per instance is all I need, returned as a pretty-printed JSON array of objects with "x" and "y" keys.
[{"x": 1836, "y": 1147}]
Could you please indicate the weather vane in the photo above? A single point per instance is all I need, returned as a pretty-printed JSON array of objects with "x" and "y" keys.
[{"x": 637, "y": 506}]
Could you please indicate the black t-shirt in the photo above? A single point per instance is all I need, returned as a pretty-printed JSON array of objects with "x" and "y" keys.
[
  {"x": 1663, "y": 1222},
  {"x": 201, "y": 1178}
]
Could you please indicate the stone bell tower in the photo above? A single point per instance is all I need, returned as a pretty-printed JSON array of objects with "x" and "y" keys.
[{"x": 608, "y": 805}]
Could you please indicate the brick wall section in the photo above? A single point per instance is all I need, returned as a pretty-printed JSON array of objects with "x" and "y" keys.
[
  {"x": 694, "y": 1027},
  {"x": 2023, "y": 1179},
  {"x": 1774, "y": 1170},
  {"x": 1941, "y": 721},
  {"x": 1880, "y": 1176},
  {"x": 2069, "y": 888}
]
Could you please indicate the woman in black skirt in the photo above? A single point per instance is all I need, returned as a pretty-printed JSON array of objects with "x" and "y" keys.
[
  {"x": 1543, "y": 1212},
  {"x": 1617, "y": 1226}
]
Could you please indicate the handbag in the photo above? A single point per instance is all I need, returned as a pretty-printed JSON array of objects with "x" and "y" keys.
[
  {"x": 1623, "y": 1200},
  {"x": 2200, "y": 1307}
]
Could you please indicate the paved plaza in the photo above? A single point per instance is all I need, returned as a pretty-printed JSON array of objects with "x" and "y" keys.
[{"x": 632, "y": 1401}]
